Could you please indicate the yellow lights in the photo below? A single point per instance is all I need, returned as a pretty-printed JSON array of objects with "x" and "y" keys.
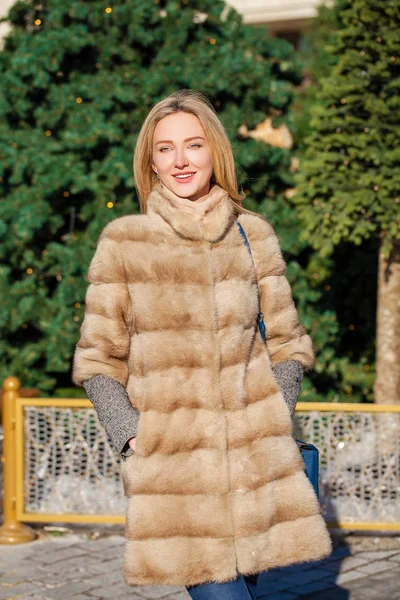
[
  {"x": 108, "y": 10},
  {"x": 110, "y": 204},
  {"x": 77, "y": 305},
  {"x": 29, "y": 271},
  {"x": 343, "y": 100},
  {"x": 76, "y": 318},
  {"x": 44, "y": 252},
  {"x": 38, "y": 22},
  {"x": 47, "y": 132},
  {"x": 352, "y": 327},
  {"x": 376, "y": 188},
  {"x": 345, "y": 162},
  {"x": 66, "y": 194},
  {"x": 328, "y": 288},
  {"x": 212, "y": 41},
  {"x": 79, "y": 100},
  {"x": 24, "y": 325},
  {"x": 366, "y": 130}
]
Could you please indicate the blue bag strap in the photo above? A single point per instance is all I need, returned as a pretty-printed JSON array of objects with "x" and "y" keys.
[
  {"x": 260, "y": 316},
  {"x": 308, "y": 452}
]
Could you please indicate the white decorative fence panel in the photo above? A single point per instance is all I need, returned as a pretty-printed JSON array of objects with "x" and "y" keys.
[
  {"x": 359, "y": 462},
  {"x": 71, "y": 468},
  {"x": 70, "y": 465}
]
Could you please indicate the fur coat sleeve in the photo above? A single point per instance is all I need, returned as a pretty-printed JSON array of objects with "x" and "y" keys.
[
  {"x": 286, "y": 337},
  {"x": 104, "y": 344}
]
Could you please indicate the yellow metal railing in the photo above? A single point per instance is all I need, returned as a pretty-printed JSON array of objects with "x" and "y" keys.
[{"x": 317, "y": 422}]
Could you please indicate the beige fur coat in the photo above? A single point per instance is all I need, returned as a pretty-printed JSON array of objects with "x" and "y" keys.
[{"x": 216, "y": 486}]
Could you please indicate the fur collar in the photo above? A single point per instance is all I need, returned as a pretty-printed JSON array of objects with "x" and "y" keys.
[{"x": 213, "y": 224}]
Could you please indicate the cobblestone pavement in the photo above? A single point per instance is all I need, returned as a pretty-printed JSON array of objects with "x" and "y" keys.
[{"x": 81, "y": 565}]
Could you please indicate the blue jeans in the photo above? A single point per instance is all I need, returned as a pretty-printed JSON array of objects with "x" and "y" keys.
[{"x": 244, "y": 587}]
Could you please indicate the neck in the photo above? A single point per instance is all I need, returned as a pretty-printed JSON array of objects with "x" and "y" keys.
[{"x": 200, "y": 195}]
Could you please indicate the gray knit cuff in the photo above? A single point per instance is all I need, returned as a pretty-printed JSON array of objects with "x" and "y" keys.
[
  {"x": 115, "y": 412},
  {"x": 289, "y": 375}
]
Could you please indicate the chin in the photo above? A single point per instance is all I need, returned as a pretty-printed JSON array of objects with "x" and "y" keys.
[{"x": 185, "y": 190}]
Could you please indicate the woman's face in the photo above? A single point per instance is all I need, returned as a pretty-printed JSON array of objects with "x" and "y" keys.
[{"x": 180, "y": 148}]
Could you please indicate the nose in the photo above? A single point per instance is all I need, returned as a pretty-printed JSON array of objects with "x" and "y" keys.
[{"x": 181, "y": 160}]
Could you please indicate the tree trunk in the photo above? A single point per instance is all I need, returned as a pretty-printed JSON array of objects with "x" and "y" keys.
[{"x": 387, "y": 382}]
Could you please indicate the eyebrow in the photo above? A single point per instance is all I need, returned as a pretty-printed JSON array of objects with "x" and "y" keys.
[{"x": 196, "y": 137}]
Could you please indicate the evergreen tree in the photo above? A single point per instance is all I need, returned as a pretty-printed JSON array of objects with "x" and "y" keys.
[
  {"x": 317, "y": 62},
  {"x": 346, "y": 331},
  {"x": 77, "y": 80},
  {"x": 349, "y": 185}
]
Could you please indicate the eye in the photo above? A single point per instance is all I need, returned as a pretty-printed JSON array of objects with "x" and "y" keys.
[
  {"x": 193, "y": 145},
  {"x": 161, "y": 149}
]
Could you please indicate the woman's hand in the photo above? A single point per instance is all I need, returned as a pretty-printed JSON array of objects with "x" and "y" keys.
[{"x": 132, "y": 443}]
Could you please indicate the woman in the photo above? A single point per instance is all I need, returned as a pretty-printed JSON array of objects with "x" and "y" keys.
[{"x": 171, "y": 356}]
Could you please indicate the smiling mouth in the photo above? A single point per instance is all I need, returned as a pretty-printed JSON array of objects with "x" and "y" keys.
[{"x": 184, "y": 176}]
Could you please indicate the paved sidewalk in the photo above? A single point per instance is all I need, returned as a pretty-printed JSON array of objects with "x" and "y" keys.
[{"x": 75, "y": 566}]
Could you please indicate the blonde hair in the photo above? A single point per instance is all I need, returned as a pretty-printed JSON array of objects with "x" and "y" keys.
[{"x": 195, "y": 103}]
